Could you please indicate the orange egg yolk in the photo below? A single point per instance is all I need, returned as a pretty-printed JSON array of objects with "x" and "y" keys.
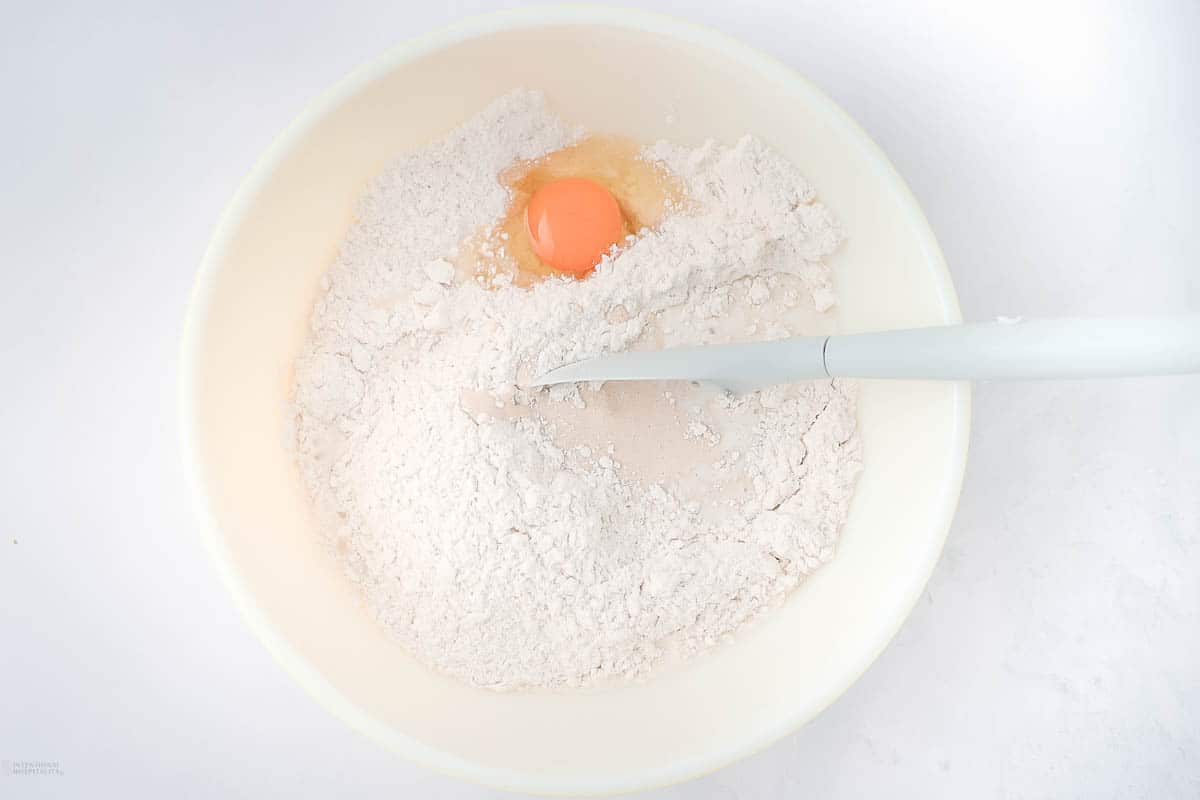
[{"x": 572, "y": 223}]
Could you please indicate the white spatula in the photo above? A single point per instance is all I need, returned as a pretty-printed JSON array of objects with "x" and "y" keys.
[{"x": 1061, "y": 348}]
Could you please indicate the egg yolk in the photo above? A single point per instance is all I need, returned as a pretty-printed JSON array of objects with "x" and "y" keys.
[{"x": 572, "y": 223}]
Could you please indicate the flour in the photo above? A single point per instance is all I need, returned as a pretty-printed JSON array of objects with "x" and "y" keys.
[{"x": 553, "y": 538}]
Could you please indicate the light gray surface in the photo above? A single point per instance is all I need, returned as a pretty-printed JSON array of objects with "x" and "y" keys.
[{"x": 1057, "y": 649}]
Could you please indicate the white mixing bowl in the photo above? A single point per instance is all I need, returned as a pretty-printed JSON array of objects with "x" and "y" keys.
[{"x": 615, "y": 71}]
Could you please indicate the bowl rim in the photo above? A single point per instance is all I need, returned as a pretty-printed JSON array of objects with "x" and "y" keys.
[{"x": 198, "y": 309}]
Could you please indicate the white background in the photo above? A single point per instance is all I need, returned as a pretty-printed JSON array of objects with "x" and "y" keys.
[{"x": 1057, "y": 154}]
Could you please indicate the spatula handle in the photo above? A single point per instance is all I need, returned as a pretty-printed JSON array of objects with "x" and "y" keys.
[{"x": 1058, "y": 348}]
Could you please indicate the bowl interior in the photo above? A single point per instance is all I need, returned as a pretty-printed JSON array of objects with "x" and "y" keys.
[{"x": 639, "y": 76}]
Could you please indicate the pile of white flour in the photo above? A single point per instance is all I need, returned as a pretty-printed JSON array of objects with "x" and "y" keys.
[{"x": 551, "y": 538}]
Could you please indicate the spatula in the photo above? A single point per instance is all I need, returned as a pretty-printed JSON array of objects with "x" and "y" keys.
[{"x": 1035, "y": 349}]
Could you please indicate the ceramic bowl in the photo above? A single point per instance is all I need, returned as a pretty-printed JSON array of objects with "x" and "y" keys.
[{"x": 616, "y": 71}]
